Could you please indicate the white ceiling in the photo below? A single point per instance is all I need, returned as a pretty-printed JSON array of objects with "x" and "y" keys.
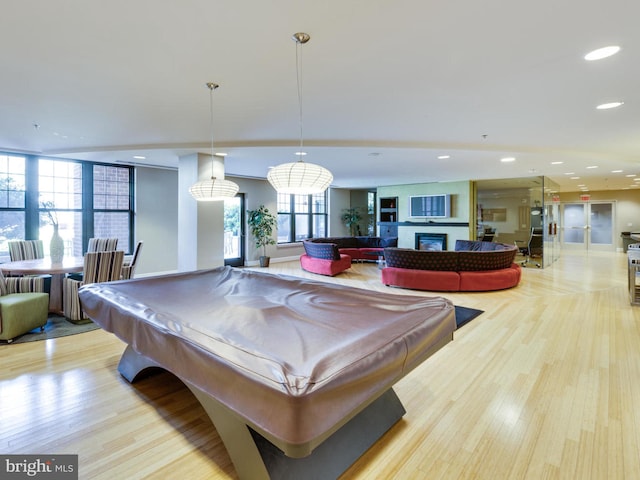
[{"x": 388, "y": 86}]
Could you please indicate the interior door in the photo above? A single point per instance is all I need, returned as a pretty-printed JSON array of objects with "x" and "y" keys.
[
  {"x": 234, "y": 233},
  {"x": 588, "y": 226}
]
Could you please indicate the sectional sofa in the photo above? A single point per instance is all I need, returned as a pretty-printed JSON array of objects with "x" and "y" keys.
[
  {"x": 332, "y": 255},
  {"x": 359, "y": 248},
  {"x": 472, "y": 267}
]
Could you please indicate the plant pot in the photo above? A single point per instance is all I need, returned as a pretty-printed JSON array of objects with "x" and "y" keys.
[{"x": 264, "y": 261}]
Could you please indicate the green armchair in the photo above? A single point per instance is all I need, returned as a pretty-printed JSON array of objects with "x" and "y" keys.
[{"x": 23, "y": 306}]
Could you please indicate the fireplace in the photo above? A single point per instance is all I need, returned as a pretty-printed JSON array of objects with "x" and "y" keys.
[{"x": 431, "y": 241}]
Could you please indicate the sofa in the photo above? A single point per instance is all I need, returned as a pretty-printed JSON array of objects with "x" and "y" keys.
[
  {"x": 473, "y": 266},
  {"x": 359, "y": 248},
  {"x": 323, "y": 258}
]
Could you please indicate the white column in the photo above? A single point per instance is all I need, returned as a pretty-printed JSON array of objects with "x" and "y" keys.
[{"x": 200, "y": 224}]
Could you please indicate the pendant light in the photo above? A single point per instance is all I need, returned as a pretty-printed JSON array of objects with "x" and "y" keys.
[
  {"x": 299, "y": 177},
  {"x": 213, "y": 189}
]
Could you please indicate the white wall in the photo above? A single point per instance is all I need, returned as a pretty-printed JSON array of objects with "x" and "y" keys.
[
  {"x": 156, "y": 219},
  {"x": 339, "y": 199}
]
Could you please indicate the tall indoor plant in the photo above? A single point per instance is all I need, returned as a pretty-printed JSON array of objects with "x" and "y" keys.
[
  {"x": 262, "y": 224},
  {"x": 351, "y": 218}
]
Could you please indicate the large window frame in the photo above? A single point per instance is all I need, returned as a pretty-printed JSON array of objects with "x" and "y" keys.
[
  {"x": 302, "y": 216},
  {"x": 24, "y": 198}
]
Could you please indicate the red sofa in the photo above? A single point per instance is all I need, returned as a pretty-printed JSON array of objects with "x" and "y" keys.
[
  {"x": 359, "y": 248},
  {"x": 472, "y": 267},
  {"x": 323, "y": 258}
]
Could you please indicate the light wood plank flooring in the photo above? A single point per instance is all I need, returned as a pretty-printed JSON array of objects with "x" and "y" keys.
[{"x": 544, "y": 384}]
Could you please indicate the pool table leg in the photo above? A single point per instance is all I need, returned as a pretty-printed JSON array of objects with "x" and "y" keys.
[{"x": 256, "y": 458}]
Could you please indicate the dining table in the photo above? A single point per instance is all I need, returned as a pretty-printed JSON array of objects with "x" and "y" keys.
[{"x": 45, "y": 266}]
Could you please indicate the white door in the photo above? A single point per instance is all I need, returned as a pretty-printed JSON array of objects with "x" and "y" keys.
[{"x": 588, "y": 226}]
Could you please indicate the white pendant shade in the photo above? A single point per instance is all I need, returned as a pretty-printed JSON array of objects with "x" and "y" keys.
[
  {"x": 300, "y": 178},
  {"x": 213, "y": 190}
]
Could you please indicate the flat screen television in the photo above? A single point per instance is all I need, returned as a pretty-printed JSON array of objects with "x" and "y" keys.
[{"x": 430, "y": 206}]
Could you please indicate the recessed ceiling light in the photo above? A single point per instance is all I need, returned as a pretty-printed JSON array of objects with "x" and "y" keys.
[
  {"x": 508, "y": 159},
  {"x": 444, "y": 157},
  {"x": 139, "y": 157},
  {"x": 630, "y": 175},
  {"x": 617, "y": 171},
  {"x": 636, "y": 179},
  {"x": 601, "y": 53},
  {"x": 574, "y": 178},
  {"x": 301, "y": 154},
  {"x": 607, "y": 106},
  {"x": 557, "y": 163},
  {"x": 592, "y": 166},
  {"x": 569, "y": 173},
  {"x": 221, "y": 154}
]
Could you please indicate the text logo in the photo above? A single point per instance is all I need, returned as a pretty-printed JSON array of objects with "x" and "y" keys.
[{"x": 50, "y": 467}]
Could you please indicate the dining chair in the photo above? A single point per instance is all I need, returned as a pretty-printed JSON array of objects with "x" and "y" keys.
[
  {"x": 25, "y": 250},
  {"x": 128, "y": 269},
  {"x": 99, "y": 267},
  {"x": 97, "y": 244},
  {"x": 29, "y": 250}
]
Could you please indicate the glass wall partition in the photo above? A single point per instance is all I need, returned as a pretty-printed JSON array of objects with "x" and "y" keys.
[{"x": 520, "y": 211}]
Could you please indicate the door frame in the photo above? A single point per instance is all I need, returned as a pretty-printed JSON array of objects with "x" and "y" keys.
[
  {"x": 587, "y": 245},
  {"x": 240, "y": 260}
]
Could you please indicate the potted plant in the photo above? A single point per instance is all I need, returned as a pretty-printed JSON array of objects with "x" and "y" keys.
[
  {"x": 262, "y": 224},
  {"x": 351, "y": 218}
]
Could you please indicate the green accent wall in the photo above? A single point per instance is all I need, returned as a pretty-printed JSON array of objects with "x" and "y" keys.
[{"x": 461, "y": 211}]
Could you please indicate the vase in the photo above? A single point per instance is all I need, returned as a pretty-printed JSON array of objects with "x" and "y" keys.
[{"x": 56, "y": 246}]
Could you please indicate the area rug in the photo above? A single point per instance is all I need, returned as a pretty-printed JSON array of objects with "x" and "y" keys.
[
  {"x": 464, "y": 315},
  {"x": 56, "y": 327}
]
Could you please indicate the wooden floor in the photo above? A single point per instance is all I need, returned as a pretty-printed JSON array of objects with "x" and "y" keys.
[{"x": 544, "y": 385}]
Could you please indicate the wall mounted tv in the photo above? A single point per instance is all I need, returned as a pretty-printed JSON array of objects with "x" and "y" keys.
[{"x": 430, "y": 206}]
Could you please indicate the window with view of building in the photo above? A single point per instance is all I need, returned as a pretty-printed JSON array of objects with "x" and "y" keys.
[
  {"x": 301, "y": 216},
  {"x": 111, "y": 203},
  {"x": 83, "y": 199}
]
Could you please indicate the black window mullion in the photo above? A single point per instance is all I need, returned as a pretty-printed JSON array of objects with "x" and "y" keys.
[
  {"x": 87, "y": 204},
  {"x": 32, "y": 198}
]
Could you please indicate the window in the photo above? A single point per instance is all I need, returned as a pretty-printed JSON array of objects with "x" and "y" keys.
[
  {"x": 84, "y": 199},
  {"x": 111, "y": 202},
  {"x": 12, "y": 200},
  {"x": 301, "y": 216},
  {"x": 60, "y": 201}
]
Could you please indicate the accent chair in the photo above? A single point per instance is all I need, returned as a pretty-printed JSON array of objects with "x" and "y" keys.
[{"x": 23, "y": 306}]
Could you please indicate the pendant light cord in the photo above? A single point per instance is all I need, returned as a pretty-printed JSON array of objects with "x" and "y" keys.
[
  {"x": 212, "y": 87},
  {"x": 298, "y": 79}
]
